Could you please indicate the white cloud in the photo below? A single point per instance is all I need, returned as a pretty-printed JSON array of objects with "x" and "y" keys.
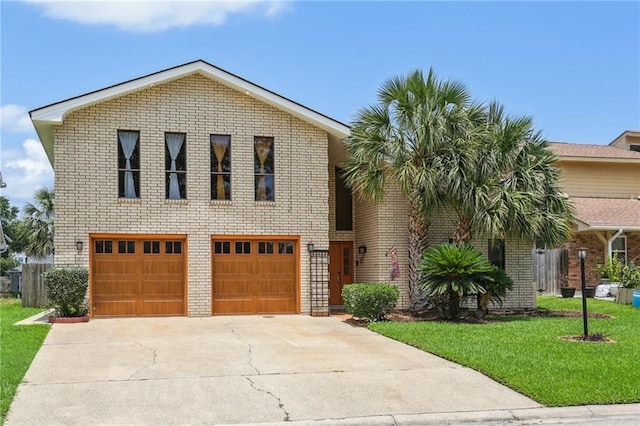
[
  {"x": 15, "y": 119},
  {"x": 24, "y": 171},
  {"x": 150, "y": 15}
]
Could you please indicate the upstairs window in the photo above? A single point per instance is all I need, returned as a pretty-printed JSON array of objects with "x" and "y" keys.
[
  {"x": 344, "y": 204},
  {"x": 634, "y": 147},
  {"x": 264, "y": 168},
  {"x": 220, "y": 167},
  {"x": 128, "y": 164},
  {"x": 496, "y": 253},
  {"x": 175, "y": 160}
]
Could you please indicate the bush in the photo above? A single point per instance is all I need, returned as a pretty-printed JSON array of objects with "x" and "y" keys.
[
  {"x": 449, "y": 272},
  {"x": 371, "y": 301},
  {"x": 67, "y": 289}
]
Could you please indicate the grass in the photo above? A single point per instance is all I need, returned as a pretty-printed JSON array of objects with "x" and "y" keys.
[
  {"x": 526, "y": 354},
  {"x": 20, "y": 343}
]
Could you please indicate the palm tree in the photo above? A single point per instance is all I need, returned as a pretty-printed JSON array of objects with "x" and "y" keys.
[
  {"x": 511, "y": 187},
  {"x": 38, "y": 223},
  {"x": 418, "y": 128}
]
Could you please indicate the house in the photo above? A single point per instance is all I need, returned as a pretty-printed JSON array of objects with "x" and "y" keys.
[
  {"x": 603, "y": 183},
  {"x": 192, "y": 191}
]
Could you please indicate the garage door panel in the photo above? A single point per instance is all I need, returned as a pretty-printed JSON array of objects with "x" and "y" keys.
[
  {"x": 115, "y": 288},
  {"x": 159, "y": 288},
  {"x": 275, "y": 304},
  {"x": 164, "y": 307},
  {"x": 236, "y": 306},
  {"x": 115, "y": 307},
  {"x": 254, "y": 279}
]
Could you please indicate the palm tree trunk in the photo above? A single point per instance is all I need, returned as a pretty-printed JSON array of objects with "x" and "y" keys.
[
  {"x": 454, "y": 305},
  {"x": 418, "y": 228},
  {"x": 463, "y": 233}
]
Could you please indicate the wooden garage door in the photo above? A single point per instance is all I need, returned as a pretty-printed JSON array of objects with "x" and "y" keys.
[
  {"x": 133, "y": 276},
  {"x": 255, "y": 276}
]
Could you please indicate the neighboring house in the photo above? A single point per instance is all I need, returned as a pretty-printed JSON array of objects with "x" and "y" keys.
[
  {"x": 192, "y": 191},
  {"x": 603, "y": 182}
]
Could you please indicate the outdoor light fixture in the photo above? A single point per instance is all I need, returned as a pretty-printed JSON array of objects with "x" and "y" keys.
[
  {"x": 79, "y": 245},
  {"x": 362, "y": 249},
  {"x": 582, "y": 255},
  {"x": 310, "y": 246}
]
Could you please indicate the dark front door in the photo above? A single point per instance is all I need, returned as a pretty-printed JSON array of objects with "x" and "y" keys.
[{"x": 340, "y": 269}]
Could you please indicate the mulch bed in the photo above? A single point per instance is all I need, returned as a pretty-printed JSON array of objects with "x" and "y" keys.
[{"x": 469, "y": 318}]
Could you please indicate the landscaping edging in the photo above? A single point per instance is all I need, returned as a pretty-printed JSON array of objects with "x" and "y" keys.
[{"x": 68, "y": 320}]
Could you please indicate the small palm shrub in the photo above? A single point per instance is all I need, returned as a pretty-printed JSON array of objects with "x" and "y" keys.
[
  {"x": 67, "y": 289},
  {"x": 496, "y": 284},
  {"x": 370, "y": 301},
  {"x": 450, "y": 271}
]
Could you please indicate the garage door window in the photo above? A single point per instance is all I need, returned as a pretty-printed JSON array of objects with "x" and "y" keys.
[
  {"x": 243, "y": 247},
  {"x": 265, "y": 247},
  {"x": 285, "y": 247},
  {"x": 126, "y": 247},
  {"x": 222, "y": 247},
  {"x": 173, "y": 247},
  {"x": 151, "y": 247},
  {"x": 104, "y": 246}
]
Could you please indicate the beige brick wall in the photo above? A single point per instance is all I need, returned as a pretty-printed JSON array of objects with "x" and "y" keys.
[
  {"x": 382, "y": 226},
  {"x": 86, "y": 176}
]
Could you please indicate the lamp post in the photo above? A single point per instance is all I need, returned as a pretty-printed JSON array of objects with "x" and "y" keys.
[{"x": 582, "y": 255}]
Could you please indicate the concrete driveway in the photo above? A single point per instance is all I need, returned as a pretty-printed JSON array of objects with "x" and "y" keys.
[{"x": 240, "y": 369}]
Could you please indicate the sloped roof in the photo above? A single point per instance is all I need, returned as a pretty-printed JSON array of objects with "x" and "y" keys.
[
  {"x": 46, "y": 117},
  {"x": 607, "y": 213},
  {"x": 585, "y": 152}
]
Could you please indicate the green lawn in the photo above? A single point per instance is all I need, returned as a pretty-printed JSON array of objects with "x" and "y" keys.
[
  {"x": 526, "y": 354},
  {"x": 20, "y": 343}
]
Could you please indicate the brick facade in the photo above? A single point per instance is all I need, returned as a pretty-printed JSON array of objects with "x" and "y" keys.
[
  {"x": 87, "y": 189},
  {"x": 596, "y": 255}
]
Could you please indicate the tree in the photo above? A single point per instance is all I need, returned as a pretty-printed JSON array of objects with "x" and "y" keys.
[
  {"x": 11, "y": 227},
  {"x": 37, "y": 226},
  {"x": 512, "y": 186},
  {"x": 416, "y": 130},
  {"x": 451, "y": 271}
]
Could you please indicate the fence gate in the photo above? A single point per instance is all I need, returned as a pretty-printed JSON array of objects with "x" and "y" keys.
[
  {"x": 550, "y": 269},
  {"x": 34, "y": 292},
  {"x": 319, "y": 282}
]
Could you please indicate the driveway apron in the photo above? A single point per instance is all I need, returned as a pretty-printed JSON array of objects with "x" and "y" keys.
[{"x": 240, "y": 369}]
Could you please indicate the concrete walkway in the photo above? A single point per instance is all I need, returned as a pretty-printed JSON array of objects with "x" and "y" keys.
[{"x": 233, "y": 370}]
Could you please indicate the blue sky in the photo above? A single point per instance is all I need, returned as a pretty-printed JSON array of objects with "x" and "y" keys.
[{"x": 573, "y": 66}]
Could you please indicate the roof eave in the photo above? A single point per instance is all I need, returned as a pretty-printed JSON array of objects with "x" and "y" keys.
[{"x": 598, "y": 159}]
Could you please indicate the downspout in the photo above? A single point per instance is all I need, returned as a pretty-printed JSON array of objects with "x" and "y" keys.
[{"x": 610, "y": 243}]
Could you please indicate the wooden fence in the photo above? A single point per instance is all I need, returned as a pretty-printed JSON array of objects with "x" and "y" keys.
[
  {"x": 550, "y": 269},
  {"x": 34, "y": 292}
]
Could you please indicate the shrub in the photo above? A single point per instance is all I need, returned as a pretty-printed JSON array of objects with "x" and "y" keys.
[
  {"x": 67, "y": 289},
  {"x": 631, "y": 276},
  {"x": 372, "y": 301},
  {"x": 496, "y": 284},
  {"x": 449, "y": 272}
]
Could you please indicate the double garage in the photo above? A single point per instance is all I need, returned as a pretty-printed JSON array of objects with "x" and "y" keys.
[{"x": 146, "y": 275}]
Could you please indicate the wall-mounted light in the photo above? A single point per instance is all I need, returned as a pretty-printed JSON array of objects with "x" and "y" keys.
[
  {"x": 310, "y": 246},
  {"x": 79, "y": 245},
  {"x": 362, "y": 249}
]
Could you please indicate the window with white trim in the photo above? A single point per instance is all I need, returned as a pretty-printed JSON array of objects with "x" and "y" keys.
[{"x": 619, "y": 248}]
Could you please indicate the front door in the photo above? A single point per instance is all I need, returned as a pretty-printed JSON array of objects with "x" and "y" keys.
[{"x": 340, "y": 269}]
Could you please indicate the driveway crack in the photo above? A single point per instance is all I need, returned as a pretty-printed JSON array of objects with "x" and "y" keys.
[
  {"x": 286, "y": 416},
  {"x": 153, "y": 360},
  {"x": 249, "y": 346}
]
